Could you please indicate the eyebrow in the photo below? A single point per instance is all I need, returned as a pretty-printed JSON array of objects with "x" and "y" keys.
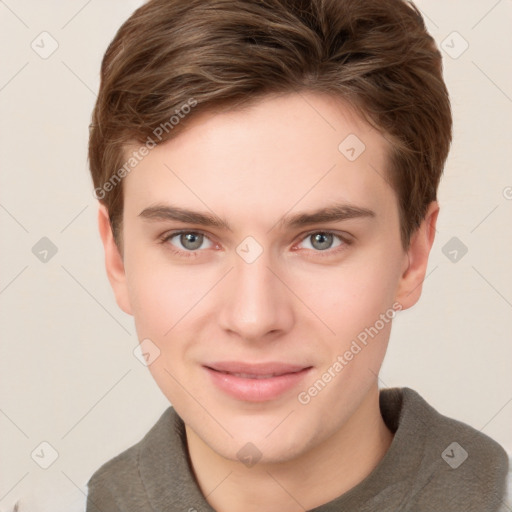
[{"x": 332, "y": 213}]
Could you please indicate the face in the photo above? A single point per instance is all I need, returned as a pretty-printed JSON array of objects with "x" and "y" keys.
[{"x": 271, "y": 310}]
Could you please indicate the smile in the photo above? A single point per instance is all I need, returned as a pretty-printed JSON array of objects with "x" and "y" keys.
[{"x": 256, "y": 382}]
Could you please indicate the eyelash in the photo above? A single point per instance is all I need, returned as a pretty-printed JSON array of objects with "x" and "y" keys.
[{"x": 194, "y": 254}]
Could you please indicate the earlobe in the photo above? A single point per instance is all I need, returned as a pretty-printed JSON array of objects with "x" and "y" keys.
[
  {"x": 411, "y": 281},
  {"x": 113, "y": 261}
]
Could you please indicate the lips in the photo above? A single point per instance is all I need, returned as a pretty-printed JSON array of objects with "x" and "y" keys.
[
  {"x": 253, "y": 376},
  {"x": 255, "y": 382},
  {"x": 255, "y": 371}
]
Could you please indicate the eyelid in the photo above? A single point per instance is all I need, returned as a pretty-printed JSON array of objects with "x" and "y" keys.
[
  {"x": 171, "y": 234},
  {"x": 345, "y": 238},
  {"x": 343, "y": 235}
]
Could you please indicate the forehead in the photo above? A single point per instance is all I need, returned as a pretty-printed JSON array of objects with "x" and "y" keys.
[{"x": 299, "y": 148}]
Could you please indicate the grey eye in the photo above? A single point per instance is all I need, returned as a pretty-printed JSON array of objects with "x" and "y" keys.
[
  {"x": 191, "y": 241},
  {"x": 322, "y": 240}
]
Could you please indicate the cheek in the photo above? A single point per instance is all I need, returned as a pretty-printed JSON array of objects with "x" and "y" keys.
[
  {"x": 160, "y": 293},
  {"x": 352, "y": 296},
  {"x": 163, "y": 304},
  {"x": 347, "y": 297},
  {"x": 152, "y": 303}
]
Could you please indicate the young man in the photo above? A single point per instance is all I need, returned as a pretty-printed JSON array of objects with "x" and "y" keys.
[{"x": 267, "y": 175}]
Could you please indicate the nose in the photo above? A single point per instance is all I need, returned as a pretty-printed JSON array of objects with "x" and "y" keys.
[{"x": 256, "y": 305}]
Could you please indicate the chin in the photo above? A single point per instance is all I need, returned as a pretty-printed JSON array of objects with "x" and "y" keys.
[{"x": 269, "y": 439}]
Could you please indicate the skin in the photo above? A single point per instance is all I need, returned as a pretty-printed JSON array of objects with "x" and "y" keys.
[{"x": 296, "y": 303}]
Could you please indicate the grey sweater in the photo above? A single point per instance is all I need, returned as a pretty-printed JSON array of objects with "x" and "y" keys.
[{"x": 434, "y": 464}]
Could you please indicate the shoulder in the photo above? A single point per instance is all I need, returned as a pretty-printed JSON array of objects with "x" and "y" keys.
[
  {"x": 120, "y": 476},
  {"x": 458, "y": 461},
  {"x": 117, "y": 473},
  {"x": 507, "y": 503}
]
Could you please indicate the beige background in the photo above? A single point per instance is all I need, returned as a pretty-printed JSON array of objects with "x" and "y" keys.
[{"x": 68, "y": 374}]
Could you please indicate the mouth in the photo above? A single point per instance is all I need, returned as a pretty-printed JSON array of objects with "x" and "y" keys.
[
  {"x": 253, "y": 376},
  {"x": 255, "y": 382}
]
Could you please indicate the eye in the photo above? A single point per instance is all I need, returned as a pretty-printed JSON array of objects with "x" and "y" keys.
[
  {"x": 322, "y": 241},
  {"x": 190, "y": 243},
  {"x": 186, "y": 241}
]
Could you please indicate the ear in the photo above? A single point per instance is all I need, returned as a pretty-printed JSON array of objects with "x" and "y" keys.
[
  {"x": 113, "y": 261},
  {"x": 411, "y": 281}
]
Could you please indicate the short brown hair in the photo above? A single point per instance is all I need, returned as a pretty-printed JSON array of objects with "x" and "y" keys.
[{"x": 375, "y": 54}]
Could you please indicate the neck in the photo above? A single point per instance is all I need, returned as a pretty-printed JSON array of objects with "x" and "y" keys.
[{"x": 308, "y": 481}]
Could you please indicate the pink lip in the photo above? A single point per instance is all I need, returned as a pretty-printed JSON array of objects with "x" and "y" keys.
[{"x": 255, "y": 382}]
